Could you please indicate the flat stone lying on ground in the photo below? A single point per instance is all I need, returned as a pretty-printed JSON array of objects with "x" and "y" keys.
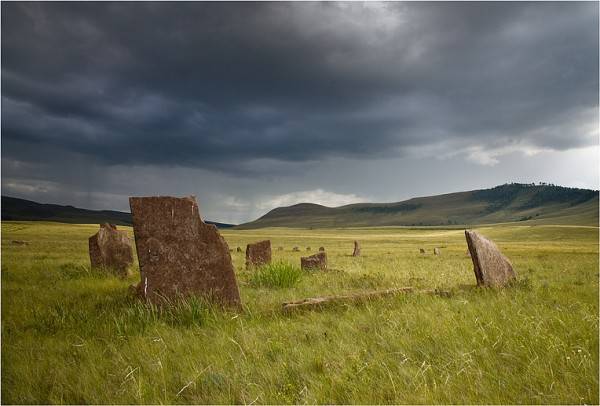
[
  {"x": 491, "y": 267},
  {"x": 316, "y": 261},
  {"x": 258, "y": 253},
  {"x": 110, "y": 250},
  {"x": 179, "y": 254},
  {"x": 436, "y": 251},
  {"x": 356, "y": 252}
]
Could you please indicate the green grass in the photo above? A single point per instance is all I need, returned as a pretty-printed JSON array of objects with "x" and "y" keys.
[
  {"x": 278, "y": 274},
  {"x": 73, "y": 336}
]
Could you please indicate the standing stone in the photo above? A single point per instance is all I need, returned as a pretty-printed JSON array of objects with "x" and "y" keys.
[
  {"x": 321, "y": 249},
  {"x": 179, "y": 254},
  {"x": 421, "y": 250},
  {"x": 296, "y": 249},
  {"x": 110, "y": 250},
  {"x": 258, "y": 254},
  {"x": 436, "y": 251},
  {"x": 239, "y": 249},
  {"x": 356, "y": 252},
  {"x": 316, "y": 261},
  {"x": 491, "y": 267}
]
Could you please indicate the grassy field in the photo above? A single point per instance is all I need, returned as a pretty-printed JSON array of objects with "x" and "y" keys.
[{"x": 72, "y": 336}]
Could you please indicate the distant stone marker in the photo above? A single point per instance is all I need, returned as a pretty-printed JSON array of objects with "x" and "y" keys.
[
  {"x": 110, "y": 250},
  {"x": 436, "y": 251},
  {"x": 316, "y": 261},
  {"x": 258, "y": 253},
  {"x": 239, "y": 249},
  {"x": 296, "y": 249},
  {"x": 421, "y": 250},
  {"x": 321, "y": 249},
  {"x": 356, "y": 252},
  {"x": 491, "y": 267},
  {"x": 179, "y": 254}
]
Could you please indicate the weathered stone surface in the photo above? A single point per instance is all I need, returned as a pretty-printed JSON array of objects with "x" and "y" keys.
[
  {"x": 356, "y": 252},
  {"x": 321, "y": 249},
  {"x": 436, "y": 251},
  {"x": 179, "y": 254},
  {"x": 110, "y": 250},
  {"x": 491, "y": 267},
  {"x": 296, "y": 249},
  {"x": 239, "y": 249},
  {"x": 421, "y": 250},
  {"x": 258, "y": 253},
  {"x": 316, "y": 261}
]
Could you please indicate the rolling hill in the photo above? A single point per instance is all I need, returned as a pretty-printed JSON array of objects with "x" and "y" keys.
[
  {"x": 528, "y": 203},
  {"x": 26, "y": 210}
]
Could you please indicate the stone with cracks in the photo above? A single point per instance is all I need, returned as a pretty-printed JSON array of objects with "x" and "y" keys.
[
  {"x": 356, "y": 252},
  {"x": 110, "y": 250},
  {"x": 179, "y": 254},
  {"x": 491, "y": 267},
  {"x": 316, "y": 261},
  {"x": 258, "y": 253}
]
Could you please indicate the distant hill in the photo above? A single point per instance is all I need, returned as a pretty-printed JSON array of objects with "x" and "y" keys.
[
  {"x": 528, "y": 203},
  {"x": 26, "y": 210}
]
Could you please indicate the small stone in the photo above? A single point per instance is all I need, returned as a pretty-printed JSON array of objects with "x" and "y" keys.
[
  {"x": 110, "y": 250},
  {"x": 258, "y": 253},
  {"x": 421, "y": 250},
  {"x": 316, "y": 261},
  {"x": 296, "y": 249},
  {"x": 279, "y": 248},
  {"x": 491, "y": 267},
  {"x": 436, "y": 251}
]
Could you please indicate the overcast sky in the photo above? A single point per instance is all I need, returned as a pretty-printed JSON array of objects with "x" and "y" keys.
[{"x": 250, "y": 106}]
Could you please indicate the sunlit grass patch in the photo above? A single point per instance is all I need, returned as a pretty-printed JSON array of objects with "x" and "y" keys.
[{"x": 276, "y": 275}]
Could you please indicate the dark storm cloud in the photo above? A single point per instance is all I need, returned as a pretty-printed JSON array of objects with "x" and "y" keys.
[{"x": 221, "y": 85}]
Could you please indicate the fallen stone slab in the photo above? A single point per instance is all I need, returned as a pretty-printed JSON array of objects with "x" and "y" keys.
[
  {"x": 356, "y": 252},
  {"x": 319, "y": 302},
  {"x": 110, "y": 250},
  {"x": 179, "y": 254},
  {"x": 258, "y": 253},
  {"x": 491, "y": 267},
  {"x": 313, "y": 262}
]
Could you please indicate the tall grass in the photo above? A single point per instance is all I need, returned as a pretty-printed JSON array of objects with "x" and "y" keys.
[
  {"x": 278, "y": 274},
  {"x": 73, "y": 336}
]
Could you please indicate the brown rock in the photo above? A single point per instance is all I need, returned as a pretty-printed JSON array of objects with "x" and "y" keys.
[
  {"x": 316, "y": 261},
  {"x": 110, "y": 250},
  {"x": 421, "y": 250},
  {"x": 436, "y": 251},
  {"x": 356, "y": 252},
  {"x": 308, "y": 248},
  {"x": 179, "y": 254},
  {"x": 490, "y": 266},
  {"x": 321, "y": 249},
  {"x": 259, "y": 253}
]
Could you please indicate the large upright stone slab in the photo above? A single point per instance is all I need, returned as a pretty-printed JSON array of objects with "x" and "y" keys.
[
  {"x": 179, "y": 254},
  {"x": 110, "y": 250},
  {"x": 356, "y": 252},
  {"x": 258, "y": 253},
  {"x": 491, "y": 267},
  {"x": 313, "y": 262}
]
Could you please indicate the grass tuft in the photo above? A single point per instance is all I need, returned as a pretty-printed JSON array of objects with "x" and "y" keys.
[{"x": 276, "y": 275}]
